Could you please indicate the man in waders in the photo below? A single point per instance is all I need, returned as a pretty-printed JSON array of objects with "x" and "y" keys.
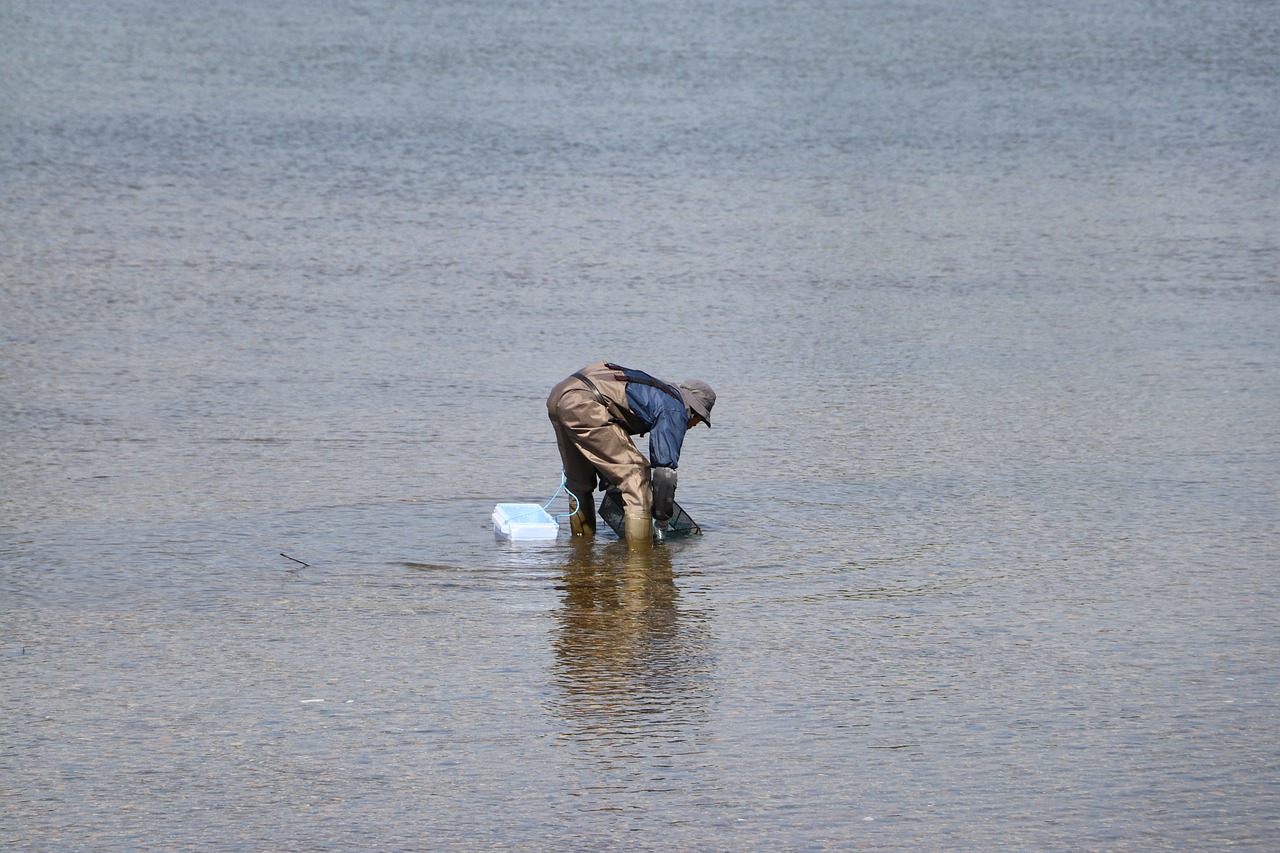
[{"x": 595, "y": 412}]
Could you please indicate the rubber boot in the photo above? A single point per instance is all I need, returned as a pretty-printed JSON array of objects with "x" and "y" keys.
[
  {"x": 639, "y": 530},
  {"x": 583, "y": 522}
]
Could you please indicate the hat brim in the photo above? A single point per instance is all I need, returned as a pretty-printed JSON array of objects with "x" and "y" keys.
[{"x": 695, "y": 405}]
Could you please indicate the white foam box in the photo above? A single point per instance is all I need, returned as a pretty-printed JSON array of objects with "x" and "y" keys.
[{"x": 524, "y": 521}]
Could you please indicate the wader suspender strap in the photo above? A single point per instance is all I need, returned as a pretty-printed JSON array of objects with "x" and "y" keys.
[
  {"x": 611, "y": 406},
  {"x": 643, "y": 379}
]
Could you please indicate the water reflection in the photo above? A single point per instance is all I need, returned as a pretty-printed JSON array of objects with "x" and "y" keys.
[{"x": 630, "y": 661}]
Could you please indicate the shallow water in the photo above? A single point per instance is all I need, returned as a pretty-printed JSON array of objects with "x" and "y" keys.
[{"x": 989, "y": 295}]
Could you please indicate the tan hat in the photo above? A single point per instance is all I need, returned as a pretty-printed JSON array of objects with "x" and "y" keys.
[{"x": 699, "y": 397}]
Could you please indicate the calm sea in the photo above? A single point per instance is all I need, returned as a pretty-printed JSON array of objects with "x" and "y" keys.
[{"x": 989, "y": 290}]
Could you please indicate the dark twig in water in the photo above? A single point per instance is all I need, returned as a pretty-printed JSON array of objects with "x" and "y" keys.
[{"x": 299, "y": 562}]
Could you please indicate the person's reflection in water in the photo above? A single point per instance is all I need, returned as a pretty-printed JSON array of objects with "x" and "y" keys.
[{"x": 631, "y": 663}]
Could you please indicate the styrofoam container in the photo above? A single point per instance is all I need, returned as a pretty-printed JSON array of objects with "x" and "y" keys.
[{"x": 524, "y": 521}]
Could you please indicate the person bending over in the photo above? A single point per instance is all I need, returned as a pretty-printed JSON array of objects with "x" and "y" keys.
[{"x": 595, "y": 412}]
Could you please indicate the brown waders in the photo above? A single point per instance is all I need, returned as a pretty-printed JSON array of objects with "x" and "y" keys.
[{"x": 595, "y": 442}]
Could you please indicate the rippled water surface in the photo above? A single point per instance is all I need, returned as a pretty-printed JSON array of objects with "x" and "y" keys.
[{"x": 988, "y": 291}]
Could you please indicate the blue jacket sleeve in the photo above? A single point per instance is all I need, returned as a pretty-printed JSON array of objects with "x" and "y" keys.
[{"x": 667, "y": 437}]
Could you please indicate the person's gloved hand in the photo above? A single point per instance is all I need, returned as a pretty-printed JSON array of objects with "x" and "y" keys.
[{"x": 664, "y": 495}]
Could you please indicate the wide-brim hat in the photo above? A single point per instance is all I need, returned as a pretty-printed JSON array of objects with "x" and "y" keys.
[{"x": 699, "y": 397}]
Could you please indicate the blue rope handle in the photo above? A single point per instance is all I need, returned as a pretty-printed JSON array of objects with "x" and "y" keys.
[
  {"x": 576, "y": 507},
  {"x": 577, "y": 504}
]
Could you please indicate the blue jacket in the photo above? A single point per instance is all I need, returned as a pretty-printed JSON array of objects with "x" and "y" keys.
[{"x": 664, "y": 417}]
